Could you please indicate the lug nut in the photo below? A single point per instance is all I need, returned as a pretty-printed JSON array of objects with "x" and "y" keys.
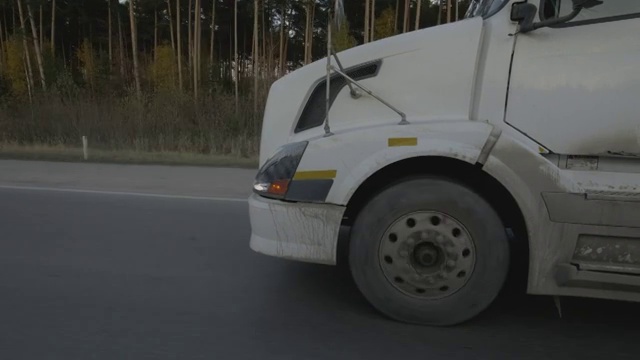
[
  {"x": 451, "y": 251},
  {"x": 451, "y": 264}
]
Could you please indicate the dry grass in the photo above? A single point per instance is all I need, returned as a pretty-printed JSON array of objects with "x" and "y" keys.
[
  {"x": 164, "y": 126},
  {"x": 71, "y": 154}
]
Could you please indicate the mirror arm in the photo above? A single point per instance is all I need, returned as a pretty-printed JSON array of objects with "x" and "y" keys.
[
  {"x": 557, "y": 21},
  {"x": 527, "y": 25},
  {"x": 524, "y": 13}
]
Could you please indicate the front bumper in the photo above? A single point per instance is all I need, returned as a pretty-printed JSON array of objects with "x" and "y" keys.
[{"x": 298, "y": 231}]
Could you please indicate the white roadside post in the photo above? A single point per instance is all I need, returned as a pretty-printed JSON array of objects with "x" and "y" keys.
[{"x": 85, "y": 147}]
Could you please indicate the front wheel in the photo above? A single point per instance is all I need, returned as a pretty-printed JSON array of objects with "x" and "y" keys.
[{"x": 429, "y": 251}]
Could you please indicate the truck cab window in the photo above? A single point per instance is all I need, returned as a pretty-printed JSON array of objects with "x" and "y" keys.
[
  {"x": 484, "y": 8},
  {"x": 609, "y": 10},
  {"x": 550, "y": 9}
]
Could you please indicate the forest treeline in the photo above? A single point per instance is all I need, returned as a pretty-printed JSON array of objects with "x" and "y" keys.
[{"x": 171, "y": 75}]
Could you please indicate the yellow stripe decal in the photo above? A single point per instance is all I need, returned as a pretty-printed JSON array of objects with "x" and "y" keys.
[
  {"x": 403, "y": 142},
  {"x": 315, "y": 175}
]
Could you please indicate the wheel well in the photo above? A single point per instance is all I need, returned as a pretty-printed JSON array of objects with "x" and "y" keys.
[{"x": 470, "y": 175}]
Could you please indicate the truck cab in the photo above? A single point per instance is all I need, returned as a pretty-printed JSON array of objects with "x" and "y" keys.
[{"x": 458, "y": 153}]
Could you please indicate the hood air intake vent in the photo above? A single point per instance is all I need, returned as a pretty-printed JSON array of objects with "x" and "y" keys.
[{"x": 314, "y": 111}]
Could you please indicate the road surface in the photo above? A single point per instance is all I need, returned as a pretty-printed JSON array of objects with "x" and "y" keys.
[{"x": 96, "y": 265}]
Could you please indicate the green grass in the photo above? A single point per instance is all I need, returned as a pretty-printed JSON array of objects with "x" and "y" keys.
[{"x": 71, "y": 154}]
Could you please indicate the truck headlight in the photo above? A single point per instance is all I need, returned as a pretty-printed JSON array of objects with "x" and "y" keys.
[{"x": 275, "y": 175}]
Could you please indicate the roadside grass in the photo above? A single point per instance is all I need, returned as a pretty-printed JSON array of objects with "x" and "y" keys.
[
  {"x": 95, "y": 155},
  {"x": 162, "y": 126}
]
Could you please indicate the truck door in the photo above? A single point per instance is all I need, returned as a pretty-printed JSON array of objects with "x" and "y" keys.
[{"x": 575, "y": 88}]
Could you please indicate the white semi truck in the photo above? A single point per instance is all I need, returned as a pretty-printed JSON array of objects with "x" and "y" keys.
[{"x": 523, "y": 119}]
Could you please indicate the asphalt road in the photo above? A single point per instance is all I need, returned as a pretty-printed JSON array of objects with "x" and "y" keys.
[{"x": 116, "y": 274}]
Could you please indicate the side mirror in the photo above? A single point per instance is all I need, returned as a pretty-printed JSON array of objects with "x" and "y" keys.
[{"x": 525, "y": 13}]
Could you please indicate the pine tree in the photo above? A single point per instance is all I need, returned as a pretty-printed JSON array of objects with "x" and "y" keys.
[
  {"x": 385, "y": 21},
  {"x": 342, "y": 38}
]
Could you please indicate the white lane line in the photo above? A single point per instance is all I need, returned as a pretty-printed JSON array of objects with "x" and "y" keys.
[{"x": 165, "y": 196}]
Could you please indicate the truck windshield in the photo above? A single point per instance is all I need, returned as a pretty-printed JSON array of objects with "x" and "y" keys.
[{"x": 485, "y": 8}]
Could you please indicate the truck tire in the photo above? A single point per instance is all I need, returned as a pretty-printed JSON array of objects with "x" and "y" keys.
[{"x": 429, "y": 251}]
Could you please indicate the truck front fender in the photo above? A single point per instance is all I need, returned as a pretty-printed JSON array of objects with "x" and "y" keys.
[
  {"x": 526, "y": 174},
  {"x": 353, "y": 156}
]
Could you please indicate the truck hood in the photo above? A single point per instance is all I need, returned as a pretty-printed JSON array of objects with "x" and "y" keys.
[{"x": 427, "y": 74}]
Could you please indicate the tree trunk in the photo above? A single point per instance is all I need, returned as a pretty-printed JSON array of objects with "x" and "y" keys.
[
  {"x": 171, "y": 31},
  {"x": 155, "y": 43},
  {"x": 256, "y": 52},
  {"x": 179, "y": 40},
  {"x": 448, "y": 11},
  {"x": 367, "y": 18},
  {"x": 281, "y": 55},
  {"x": 110, "y": 36},
  {"x": 27, "y": 70},
  {"x": 245, "y": 66},
  {"x": 36, "y": 45},
  {"x": 286, "y": 54},
  {"x": 134, "y": 49},
  {"x": 53, "y": 27},
  {"x": 306, "y": 32},
  {"x": 372, "y": 25},
  {"x": 457, "y": 10},
  {"x": 313, "y": 18},
  {"x": 196, "y": 50},
  {"x": 121, "y": 45},
  {"x": 6, "y": 29},
  {"x": 231, "y": 56},
  {"x": 198, "y": 37},
  {"x": 405, "y": 27},
  {"x": 270, "y": 58},
  {"x": 395, "y": 22},
  {"x": 373, "y": 21},
  {"x": 418, "y": 14},
  {"x": 246, "y": 55},
  {"x": 27, "y": 55},
  {"x": 235, "y": 46},
  {"x": 439, "y": 12},
  {"x": 213, "y": 32},
  {"x": 2, "y": 52},
  {"x": 265, "y": 28},
  {"x": 199, "y": 62},
  {"x": 190, "y": 39},
  {"x": 155, "y": 35},
  {"x": 2, "y": 30},
  {"x": 41, "y": 28},
  {"x": 64, "y": 51}
]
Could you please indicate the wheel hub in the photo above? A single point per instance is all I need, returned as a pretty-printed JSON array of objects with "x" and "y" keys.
[{"x": 427, "y": 255}]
